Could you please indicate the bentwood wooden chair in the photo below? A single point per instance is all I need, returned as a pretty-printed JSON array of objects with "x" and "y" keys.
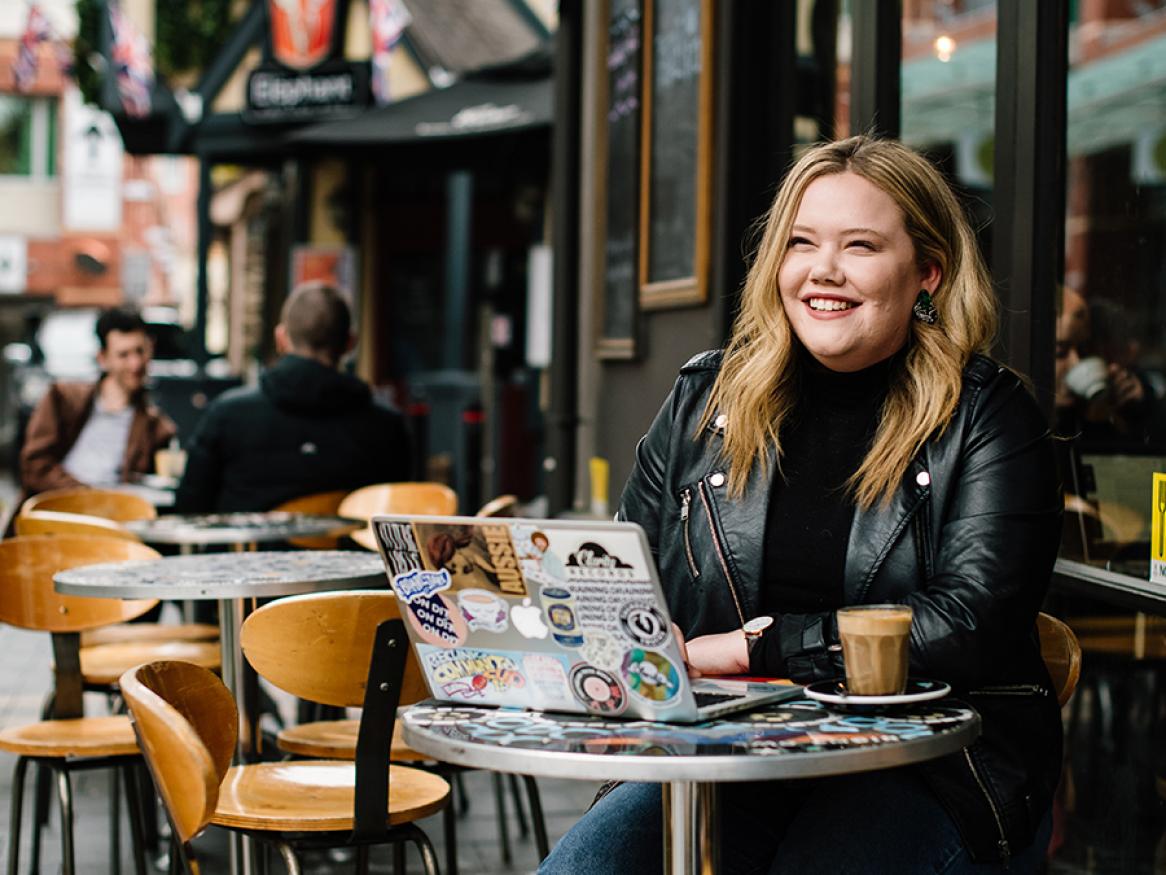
[
  {"x": 336, "y": 739},
  {"x": 415, "y": 497},
  {"x": 342, "y": 648},
  {"x": 110, "y": 504},
  {"x": 52, "y": 522},
  {"x": 66, "y": 741},
  {"x": 326, "y": 503},
  {"x": 1062, "y": 655}
]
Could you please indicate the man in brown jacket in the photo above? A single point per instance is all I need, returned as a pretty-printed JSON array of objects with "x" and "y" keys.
[{"x": 98, "y": 434}]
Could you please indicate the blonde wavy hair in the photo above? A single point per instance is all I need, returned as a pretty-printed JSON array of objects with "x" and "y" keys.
[{"x": 757, "y": 384}]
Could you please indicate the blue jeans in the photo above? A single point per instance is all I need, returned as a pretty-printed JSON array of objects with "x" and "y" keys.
[{"x": 887, "y": 821}]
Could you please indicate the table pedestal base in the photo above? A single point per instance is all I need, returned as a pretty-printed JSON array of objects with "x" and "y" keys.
[{"x": 691, "y": 843}]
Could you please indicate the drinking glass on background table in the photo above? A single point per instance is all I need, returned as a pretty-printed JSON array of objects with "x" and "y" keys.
[
  {"x": 171, "y": 461},
  {"x": 874, "y": 646}
]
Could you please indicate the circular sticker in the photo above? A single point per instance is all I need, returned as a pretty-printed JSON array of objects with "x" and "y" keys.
[
  {"x": 597, "y": 690},
  {"x": 643, "y": 624},
  {"x": 650, "y": 675}
]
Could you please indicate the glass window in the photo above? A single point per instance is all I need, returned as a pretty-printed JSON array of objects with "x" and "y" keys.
[
  {"x": 949, "y": 96},
  {"x": 27, "y": 136},
  {"x": 822, "y": 111},
  {"x": 1110, "y": 402}
]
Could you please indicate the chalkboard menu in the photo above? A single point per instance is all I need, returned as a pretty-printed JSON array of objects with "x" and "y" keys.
[
  {"x": 676, "y": 152},
  {"x": 620, "y": 286}
]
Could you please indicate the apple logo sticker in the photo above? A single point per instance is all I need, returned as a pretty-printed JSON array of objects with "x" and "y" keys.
[{"x": 527, "y": 619}]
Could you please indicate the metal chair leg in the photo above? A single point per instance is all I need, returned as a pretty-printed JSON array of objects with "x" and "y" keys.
[
  {"x": 449, "y": 831},
  {"x": 460, "y": 793},
  {"x": 398, "y": 858},
  {"x": 362, "y": 860},
  {"x": 428, "y": 856},
  {"x": 41, "y": 804},
  {"x": 523, "y": 826},
  {"x": 15, "y": 814},
  {"x": 536, "y": 817},
  {"x": 500, "y": 812},
  {"x": 289, "y": 858},
  {"x": 134, "y": 811},
  {"x": 65, "y": 796},
  {"x": 115, "y": 819}
]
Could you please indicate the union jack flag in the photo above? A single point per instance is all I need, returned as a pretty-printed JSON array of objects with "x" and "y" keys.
[
  {"x": 132, "y": 64},
  {"x": 387, "y": 20},
  {"x": 36, "y": 31}
]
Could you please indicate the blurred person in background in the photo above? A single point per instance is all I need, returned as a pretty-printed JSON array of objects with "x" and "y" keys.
[
  {"x": 306, "y": 428},
  {"x": 103, "y": 433}
]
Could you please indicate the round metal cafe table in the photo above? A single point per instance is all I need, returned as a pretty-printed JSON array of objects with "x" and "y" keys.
[
  {"x": 793, "y": 739},
  {"x": 239, "y": 529}
]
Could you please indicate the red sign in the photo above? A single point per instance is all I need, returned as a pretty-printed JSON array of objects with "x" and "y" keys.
[{"x": 301, "y": 31}]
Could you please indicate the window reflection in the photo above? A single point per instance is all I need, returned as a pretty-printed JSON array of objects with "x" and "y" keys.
[{"x": 1110, "y": 400}]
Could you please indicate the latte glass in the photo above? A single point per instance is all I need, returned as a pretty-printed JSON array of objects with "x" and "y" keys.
[{"x": 875, "y": 641}]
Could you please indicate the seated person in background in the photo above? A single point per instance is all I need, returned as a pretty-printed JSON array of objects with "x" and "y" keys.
[
  {"x": 307, "y": 427},
  {"x": 98, "y": 434},
  {"x": 853, "y": 445}
]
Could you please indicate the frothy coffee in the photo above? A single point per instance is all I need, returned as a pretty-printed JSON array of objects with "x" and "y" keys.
[{"x": 874, "y": 645}]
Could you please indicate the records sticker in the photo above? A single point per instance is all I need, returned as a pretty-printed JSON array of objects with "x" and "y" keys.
[
  {"x": 597, "y": 690},
  {"x": 643, "y": 624}
]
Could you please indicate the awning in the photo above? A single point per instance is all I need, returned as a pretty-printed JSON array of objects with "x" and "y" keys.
[{"x": 472, "y": 107}]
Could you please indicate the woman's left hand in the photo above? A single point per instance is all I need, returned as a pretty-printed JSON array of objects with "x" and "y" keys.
[{"x": 723, "y": 653}]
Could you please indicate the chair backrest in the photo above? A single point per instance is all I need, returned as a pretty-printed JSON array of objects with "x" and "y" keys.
[
  {"x": 435, "y": 499},
  {"x": 187, "y": 725},
  {"x": 318, "y": 503},
  {"x": 501, "y": 506},
  {"x": 55, "y": 522},
  {"x": 318, "y": 646},
  {"x": 112, "y": 504},
  {"x": 1062, "y": 654},
  {"x": 27, "y": 596}
]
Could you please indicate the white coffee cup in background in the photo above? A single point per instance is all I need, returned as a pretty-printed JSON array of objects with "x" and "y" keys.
[{"x": 1089, "y": 378}]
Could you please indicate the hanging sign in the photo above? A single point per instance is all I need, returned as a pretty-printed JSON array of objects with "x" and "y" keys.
[{"x": 305, "y": 76}]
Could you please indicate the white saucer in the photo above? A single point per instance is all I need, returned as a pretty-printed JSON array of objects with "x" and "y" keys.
[{"x": 918, "y": 690}]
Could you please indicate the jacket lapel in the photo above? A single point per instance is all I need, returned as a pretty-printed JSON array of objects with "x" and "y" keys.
[{"x": 875, "y": 530}]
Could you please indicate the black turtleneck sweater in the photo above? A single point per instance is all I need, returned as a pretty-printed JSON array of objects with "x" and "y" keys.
[{"x": 807, "y": 525}]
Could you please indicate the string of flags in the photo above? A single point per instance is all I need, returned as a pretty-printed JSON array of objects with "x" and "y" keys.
[
  {"x": 37, "y": 29},
  {"x": 387, "y": 20},
  {"x": 133, "y": 64}
]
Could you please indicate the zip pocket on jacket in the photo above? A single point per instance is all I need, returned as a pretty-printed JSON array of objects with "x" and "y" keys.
[
  {"x": 1010, "y": 690},
  {"x": 685, "y": 512},
  {"x": 1002, "y": 844},
  {"x": 720, "y": 551}
]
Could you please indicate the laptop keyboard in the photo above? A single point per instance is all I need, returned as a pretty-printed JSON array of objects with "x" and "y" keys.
[{"x": 703, "y": 700}]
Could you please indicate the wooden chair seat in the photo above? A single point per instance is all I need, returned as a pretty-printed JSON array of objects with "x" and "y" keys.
[
  {"x": 103, "y": 665},
  {"x": 82, "y": 737},
  {"x": 336, "y": 740},
  {"x": 317, "y": 796},
  {"x": 147, "y": 633}
]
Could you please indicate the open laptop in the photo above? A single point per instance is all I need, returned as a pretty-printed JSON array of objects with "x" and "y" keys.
[{"x": 548, "y": 615}]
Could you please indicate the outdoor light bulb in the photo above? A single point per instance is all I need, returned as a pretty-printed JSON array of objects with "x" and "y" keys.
[{"x": 944, "y": 47}]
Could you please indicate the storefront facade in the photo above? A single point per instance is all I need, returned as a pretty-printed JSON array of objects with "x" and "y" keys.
[{"x": 1050, "y": 120}]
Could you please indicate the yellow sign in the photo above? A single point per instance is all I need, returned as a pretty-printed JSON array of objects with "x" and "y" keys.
[{"x": 1158, "y": 530}]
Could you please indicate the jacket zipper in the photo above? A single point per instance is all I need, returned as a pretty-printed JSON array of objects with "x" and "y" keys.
[
  {"x": 1005, "y": 851},
  {"x": 685, "y": 508},
  {"x": 708, "y": 512},
  {"x": 1010, "y": 690}
]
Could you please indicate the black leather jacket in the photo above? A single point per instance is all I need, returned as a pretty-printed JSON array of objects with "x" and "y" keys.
[{"x": 968, "y": 541}]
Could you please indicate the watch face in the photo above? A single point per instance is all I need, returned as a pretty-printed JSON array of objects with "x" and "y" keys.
[{"x": 757, "y": 625}]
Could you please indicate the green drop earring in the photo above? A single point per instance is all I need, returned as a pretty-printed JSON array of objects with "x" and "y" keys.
[{"x": 924, "y": 308}]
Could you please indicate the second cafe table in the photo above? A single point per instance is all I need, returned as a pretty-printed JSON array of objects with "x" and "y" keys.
[{"x": 234, "y": 580}]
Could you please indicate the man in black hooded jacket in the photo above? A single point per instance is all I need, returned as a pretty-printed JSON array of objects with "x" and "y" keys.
[{"x": 305, "y": 428}]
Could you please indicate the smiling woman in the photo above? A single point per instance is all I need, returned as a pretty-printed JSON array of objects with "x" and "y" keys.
[{"x": 853, "y": 445}]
